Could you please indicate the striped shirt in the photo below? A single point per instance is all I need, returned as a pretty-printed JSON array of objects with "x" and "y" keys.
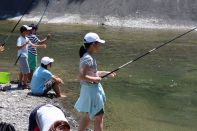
[{"x": 34, "y": 39}]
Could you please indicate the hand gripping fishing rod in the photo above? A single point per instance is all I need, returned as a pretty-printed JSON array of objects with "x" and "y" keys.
[
  {"x": 143, "y": 55},
  {"x": 6, "y": 39},
  {"x": 37, "y": 26}
]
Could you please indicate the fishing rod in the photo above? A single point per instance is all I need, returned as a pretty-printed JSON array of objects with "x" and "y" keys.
[
  {"x": 17, "y": 59},
  {"x": 143, "y": 55},
  {"x": 37, "y": 26},
  {"x": 5, "y": 41},
  {"x": 43, "y": 13}
]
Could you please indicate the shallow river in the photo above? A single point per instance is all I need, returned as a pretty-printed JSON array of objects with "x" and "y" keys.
[{"x": 156, "y": 93}]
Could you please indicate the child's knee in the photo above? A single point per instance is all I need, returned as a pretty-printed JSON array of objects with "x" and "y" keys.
[{"x": 99, "y": 118}]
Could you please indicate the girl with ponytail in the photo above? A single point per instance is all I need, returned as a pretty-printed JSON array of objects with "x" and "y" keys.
[
  {"x": 83, "y": 49},
  {"x": 92, "y": 96}
]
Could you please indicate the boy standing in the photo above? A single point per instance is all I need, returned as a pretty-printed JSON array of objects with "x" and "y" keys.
[
  {"x": 32, "y": 52},
  {"x": 22, "y": 47}
]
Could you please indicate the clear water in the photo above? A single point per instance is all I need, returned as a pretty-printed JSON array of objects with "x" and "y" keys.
[{"x": 156, "y": 93}]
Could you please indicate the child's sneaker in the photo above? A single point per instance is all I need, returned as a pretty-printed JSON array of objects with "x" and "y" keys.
[
  {"x": 20, "y": 85},
  {"x": 25, "y": 87},
  {"x": 5, "y": 87}
]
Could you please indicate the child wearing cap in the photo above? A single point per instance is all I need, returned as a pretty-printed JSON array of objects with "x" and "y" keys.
[
  {"x": 22, "y": 47},
  {"x": 92, "y": 96},
  {"x": 43, "y": 80},
  {"x": 32, "y": 52}
]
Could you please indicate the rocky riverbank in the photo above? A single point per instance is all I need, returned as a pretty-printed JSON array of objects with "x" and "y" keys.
[{"x": 16, "y": 105}]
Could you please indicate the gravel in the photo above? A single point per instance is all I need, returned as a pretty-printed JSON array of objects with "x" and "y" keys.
[{"x": 16, "y": 105}]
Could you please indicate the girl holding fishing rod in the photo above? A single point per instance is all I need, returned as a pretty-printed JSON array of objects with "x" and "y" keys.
[{"x": 92, "y": 96}]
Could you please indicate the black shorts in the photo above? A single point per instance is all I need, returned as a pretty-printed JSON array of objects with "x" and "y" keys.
[{"x": 101, "y": 112}]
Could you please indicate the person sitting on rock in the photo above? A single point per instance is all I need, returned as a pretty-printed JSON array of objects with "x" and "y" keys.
[
  {"x": 43, "y": 80},
  {"x": 48, "y": 117}
]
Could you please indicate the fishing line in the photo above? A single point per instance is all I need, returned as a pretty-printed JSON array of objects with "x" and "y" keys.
[
  {"x": 7, "y": 38},
  {"x": 150, "y": 51},
  {"x": 37, "y": 26}
]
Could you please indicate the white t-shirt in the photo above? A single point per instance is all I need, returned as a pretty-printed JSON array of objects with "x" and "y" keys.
[
  {"x": 47, "y": 115},
  {"x": 23, "y": 51}
]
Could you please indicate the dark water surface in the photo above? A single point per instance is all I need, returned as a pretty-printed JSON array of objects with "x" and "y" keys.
[{"x": 157, "y": 93}]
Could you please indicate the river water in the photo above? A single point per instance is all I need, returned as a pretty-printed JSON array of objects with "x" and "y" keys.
[{"x": 156, "y": 93}]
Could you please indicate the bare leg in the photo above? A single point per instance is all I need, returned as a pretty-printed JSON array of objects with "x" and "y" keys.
[
  {"x": 98, "y": 123},
  {"x": 84, "y": 123},
  {"x": 56, "y": 88},
  {"x": 20, "y": 77},
  {"x": 30, "y": 75},
  {"x": 25, "y": 77}
]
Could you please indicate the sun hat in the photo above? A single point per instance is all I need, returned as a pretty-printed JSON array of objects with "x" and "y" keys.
[
  {"x": 46, "y": 60},
  {"x": 93, "y": 37},
  {"x": 25, "y": 28}
]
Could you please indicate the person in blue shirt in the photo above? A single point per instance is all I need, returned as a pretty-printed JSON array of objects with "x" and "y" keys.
[
  {"x": 43, "y": 80},
  {"x": 92, "y": 96}
]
